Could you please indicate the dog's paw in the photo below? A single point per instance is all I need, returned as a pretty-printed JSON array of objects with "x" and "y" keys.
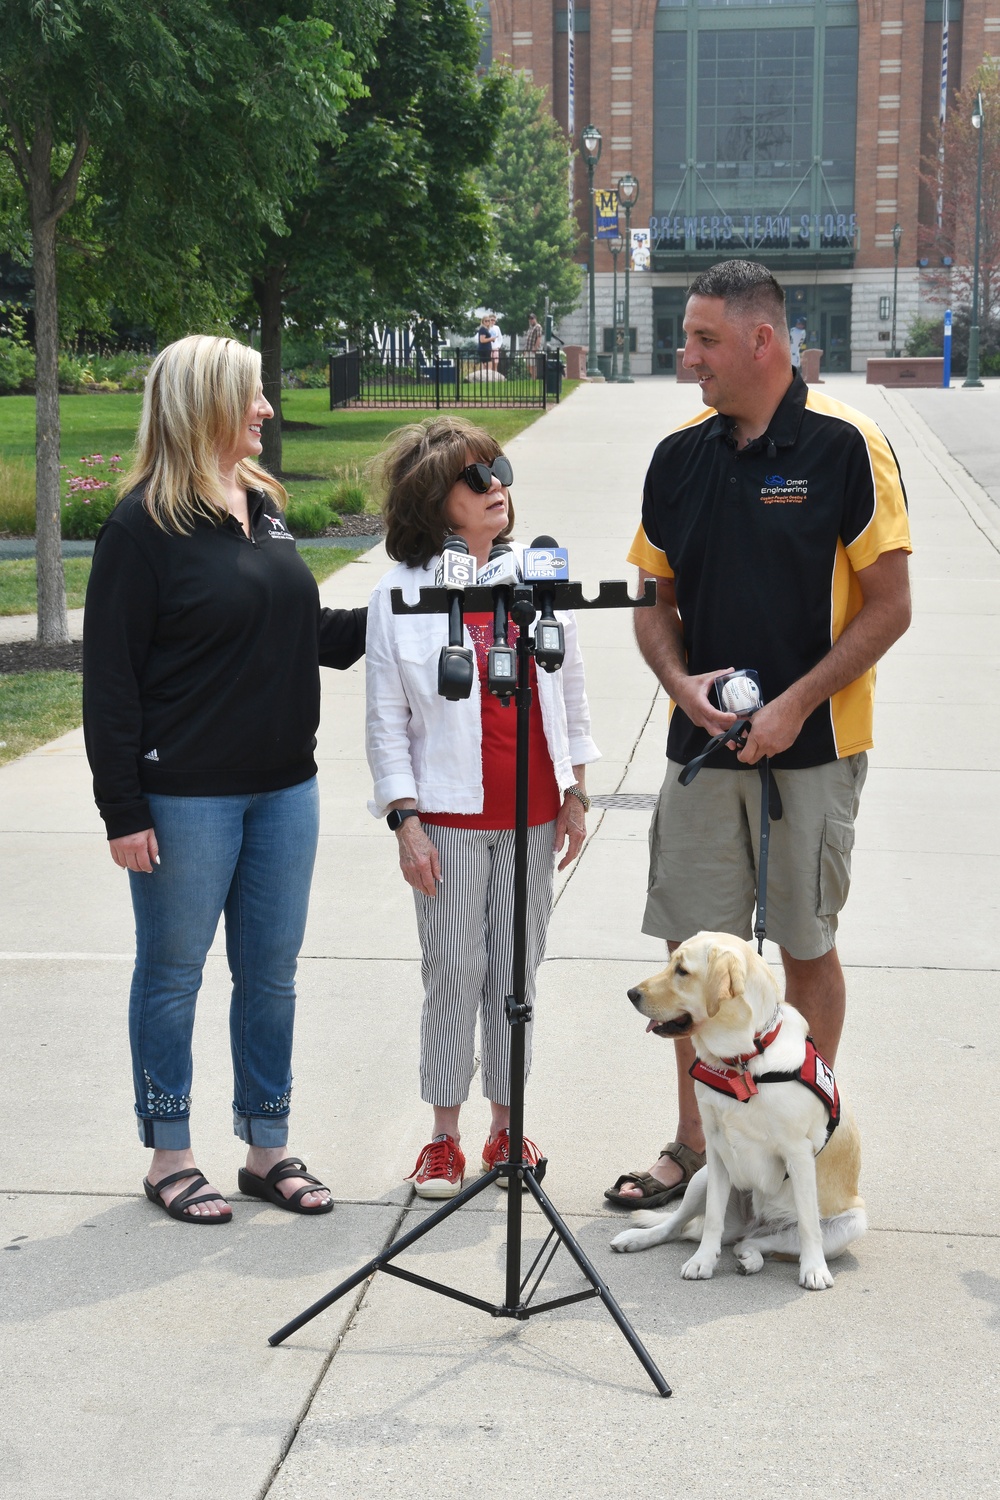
[
  {"x": 629, "y": 1239},
  {"x": 699, "y": 1268},
  {"x": 815, "y": 1278},
  {"x": 749, "y": 1261}
]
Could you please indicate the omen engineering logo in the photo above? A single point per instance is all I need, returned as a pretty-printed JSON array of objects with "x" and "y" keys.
[{"x": 776, "y": 490}]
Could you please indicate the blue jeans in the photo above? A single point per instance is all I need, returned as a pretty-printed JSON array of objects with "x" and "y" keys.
[{"x": 249, "y": 858}]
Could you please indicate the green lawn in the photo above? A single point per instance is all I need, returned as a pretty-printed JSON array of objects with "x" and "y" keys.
[
  {"x": 36, "y": 707},
  {"x": 17, "y": 584},
  {"x": 334, "y": 440}
]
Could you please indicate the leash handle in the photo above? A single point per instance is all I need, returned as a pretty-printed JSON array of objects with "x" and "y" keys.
[{"x": 734, "y": 733}]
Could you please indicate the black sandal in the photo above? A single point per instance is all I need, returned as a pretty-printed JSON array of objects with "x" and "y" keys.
[
  {"x": 177, "y": 1207},
  {"x": 267, "y": 1187}
]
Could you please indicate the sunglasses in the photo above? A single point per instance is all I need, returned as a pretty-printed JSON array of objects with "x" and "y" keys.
[{"x": 479, "y": 477}]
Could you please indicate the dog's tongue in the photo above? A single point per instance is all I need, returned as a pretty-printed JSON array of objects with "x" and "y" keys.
[{"x": 652, "y": 1025}]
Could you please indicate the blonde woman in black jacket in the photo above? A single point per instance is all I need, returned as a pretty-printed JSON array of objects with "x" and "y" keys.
[{"x": 203, "y": 635}]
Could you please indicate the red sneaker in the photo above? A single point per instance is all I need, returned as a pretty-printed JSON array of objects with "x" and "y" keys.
[
  {"x": 496, "y": 1153},
  {"x": 440, "y": 1169}
]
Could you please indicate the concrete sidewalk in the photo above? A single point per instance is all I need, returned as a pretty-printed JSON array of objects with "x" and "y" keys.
[{"x": 135, "y": 1360}]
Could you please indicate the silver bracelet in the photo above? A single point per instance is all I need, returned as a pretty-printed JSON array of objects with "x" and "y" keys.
[{"x": 579, "y": 794}]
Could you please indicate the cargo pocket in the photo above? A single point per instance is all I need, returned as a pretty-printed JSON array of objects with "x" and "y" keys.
[{"x": 835, "y": 866}]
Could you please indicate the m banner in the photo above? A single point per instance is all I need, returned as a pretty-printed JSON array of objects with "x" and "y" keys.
[{"x": 606, "y": 205}]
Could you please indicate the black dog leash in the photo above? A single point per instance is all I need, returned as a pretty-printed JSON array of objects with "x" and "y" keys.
[{"x": 770, "y": 807}]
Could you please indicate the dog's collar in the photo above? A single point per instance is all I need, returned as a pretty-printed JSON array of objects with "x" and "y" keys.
[{"x": 762, "y": 1040}]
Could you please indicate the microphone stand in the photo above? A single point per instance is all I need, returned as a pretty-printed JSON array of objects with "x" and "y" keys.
[{"x": 518, "y": 1172}]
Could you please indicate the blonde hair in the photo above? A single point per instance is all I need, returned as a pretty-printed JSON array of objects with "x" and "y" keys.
[
  {"x": 194, "y": 408},
  {"x": 417, "y": 470}
]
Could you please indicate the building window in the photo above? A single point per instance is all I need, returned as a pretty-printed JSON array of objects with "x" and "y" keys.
[{"x": 754, "y": 137}]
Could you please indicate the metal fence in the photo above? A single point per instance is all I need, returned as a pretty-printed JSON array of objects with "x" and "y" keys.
[{"x": 450, "y": 378}]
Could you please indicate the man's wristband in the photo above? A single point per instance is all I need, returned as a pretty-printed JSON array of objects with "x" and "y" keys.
[{"x": 579, "y": 794}]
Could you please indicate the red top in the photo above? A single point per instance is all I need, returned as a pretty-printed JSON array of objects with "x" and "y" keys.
[{"x": 500, "y": 750}]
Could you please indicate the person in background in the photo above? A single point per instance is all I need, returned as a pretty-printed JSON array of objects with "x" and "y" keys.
[
  {"x": 533, "y": 347},
  {"x": 444, "y": 779},
  {"x": 484, "y": 341},
  {"x": 203, "y": 635},
  {"x": 797, "y": 341},
  {"x": 496, "y": 342}
]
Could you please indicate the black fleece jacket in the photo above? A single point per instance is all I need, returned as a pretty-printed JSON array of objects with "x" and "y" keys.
[{"x": 200, "y": 653}]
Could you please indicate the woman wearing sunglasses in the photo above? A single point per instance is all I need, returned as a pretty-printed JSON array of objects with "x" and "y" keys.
[{"x": 444, "y": 779}]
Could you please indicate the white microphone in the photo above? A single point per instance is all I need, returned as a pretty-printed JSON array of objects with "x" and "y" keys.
[{"x": 502, "y": 574}]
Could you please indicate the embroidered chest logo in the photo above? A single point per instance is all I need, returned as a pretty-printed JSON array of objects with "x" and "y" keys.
[
  {"x": 776, "y": 490},
  {"x": 279, "y": 531}
]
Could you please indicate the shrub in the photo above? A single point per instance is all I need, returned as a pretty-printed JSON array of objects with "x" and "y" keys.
[
  {"x": 83, "y": 515},
  {"x": 308, "y": 517},
  {"x": 17, "y": 497},
  {"x": 17, "y": 366},
  {"x": 925, "y": 338},
  {"x": 17, "y": 358},
  {"x": 349, "y": 496},
  {"x": 90, "y": 497}
]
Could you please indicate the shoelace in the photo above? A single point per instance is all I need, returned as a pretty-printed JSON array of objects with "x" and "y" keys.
[
  {"x": 436, "y": 1160},
  {"x": 501, "y": 1149}
]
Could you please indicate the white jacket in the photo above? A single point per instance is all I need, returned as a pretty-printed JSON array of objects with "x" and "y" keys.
[{"x": 419, "y": 744}]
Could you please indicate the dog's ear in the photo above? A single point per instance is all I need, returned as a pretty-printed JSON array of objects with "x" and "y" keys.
[{"x": 727, "y": 974}]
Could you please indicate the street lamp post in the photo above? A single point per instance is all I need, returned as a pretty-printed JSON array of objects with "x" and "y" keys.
[
  {"x": 972, "y": 373},
  {"x": 628, "y": 192},
  {"x": 615, "y": 244},
  {"x": 590, "y": 139},
  {"x": 897, "y": 235}
]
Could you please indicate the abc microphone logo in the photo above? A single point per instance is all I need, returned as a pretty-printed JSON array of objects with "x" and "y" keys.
[{"x": 542, "y": 564}]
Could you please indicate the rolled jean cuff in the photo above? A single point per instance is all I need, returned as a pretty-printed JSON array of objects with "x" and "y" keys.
[
  {"x": 261, "y": 1130},
  {"x": 165, "y": 1135}
]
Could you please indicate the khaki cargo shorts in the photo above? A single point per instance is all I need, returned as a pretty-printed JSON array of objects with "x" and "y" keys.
[{"x": 704, "y": 845}]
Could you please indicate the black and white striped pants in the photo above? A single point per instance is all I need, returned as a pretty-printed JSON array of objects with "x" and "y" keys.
[{"x": 467, "y": 941}]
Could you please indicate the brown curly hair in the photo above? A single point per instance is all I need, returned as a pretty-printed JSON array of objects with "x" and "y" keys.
[{"x": 417, "y": 469}]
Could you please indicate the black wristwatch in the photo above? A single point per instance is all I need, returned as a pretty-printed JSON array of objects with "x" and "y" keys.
[{"x": 397, "y": 815}]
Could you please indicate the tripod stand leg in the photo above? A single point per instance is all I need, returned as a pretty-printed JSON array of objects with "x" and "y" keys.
[
  {"x": 590, "y": 1271},
  {"x": 378, "y": 1261}
]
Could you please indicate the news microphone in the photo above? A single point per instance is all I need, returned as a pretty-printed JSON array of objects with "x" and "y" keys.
[
  {"x": 456, "y": 664},
  {"x": 546, "y": 561},
  {"x": 501, "y": 573}
]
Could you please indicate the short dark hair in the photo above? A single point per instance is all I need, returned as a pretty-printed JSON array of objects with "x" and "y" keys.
[
  {"x": 744, "y": 285},
  {"x": 418, "y": 468}
]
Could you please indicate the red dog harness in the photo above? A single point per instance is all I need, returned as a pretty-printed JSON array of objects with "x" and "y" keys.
[{"x": 732, "y": 1078}]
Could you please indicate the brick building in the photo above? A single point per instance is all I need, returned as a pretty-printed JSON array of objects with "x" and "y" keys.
[{"x": 785, "y": 131}]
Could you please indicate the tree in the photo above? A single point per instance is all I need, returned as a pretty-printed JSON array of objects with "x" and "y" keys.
[
  {"x": 396, "y": 228},
  {"x": 537, "y": 234},
  {"x": 187, "y": 123},
  {"x": 955, "y": 238}
]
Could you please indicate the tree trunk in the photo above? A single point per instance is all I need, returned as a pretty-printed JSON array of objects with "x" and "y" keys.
[
  {"x": 267, "y": 291},
  {"x": 53, "y": 626}
]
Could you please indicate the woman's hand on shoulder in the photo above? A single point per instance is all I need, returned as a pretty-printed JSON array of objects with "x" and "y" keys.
[
  {"x": 136, "y": 851},
  {"x": 418, "y": 857}
]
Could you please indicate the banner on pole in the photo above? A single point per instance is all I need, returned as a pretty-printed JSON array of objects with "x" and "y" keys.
[
  {"x": 606, "y": 206},
  {"x": 640, "y": 250}
]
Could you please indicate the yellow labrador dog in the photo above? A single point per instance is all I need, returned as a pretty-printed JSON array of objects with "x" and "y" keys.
[{"x": 781, "y": 1175}]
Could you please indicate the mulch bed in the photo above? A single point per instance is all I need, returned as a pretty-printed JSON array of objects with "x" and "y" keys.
[
  {"x": 32, "y": 656},
  {"x": 365, "y": 525}
]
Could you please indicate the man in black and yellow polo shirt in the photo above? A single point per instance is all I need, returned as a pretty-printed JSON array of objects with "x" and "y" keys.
[{"x": 775, "y": 525}]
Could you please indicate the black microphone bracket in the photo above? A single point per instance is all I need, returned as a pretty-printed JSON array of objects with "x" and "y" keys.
[{"x": 612, "y": 594}]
